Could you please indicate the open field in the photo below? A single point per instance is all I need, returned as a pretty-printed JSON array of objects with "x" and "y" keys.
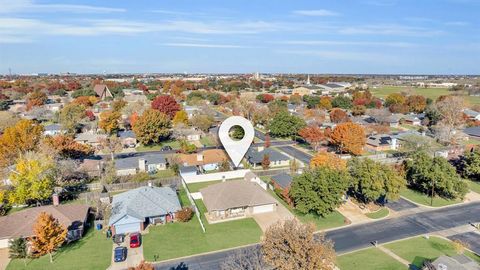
[{"x": 433, "y": 93}]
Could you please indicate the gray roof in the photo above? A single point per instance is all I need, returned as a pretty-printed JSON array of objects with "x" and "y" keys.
[
  {"x": 379, "y": 140},
  {"x": 53, "y": 127},
  {"x": 284, "y": 180},
  {"x": 188, "y": 169},
  {"x": 254, "y": 156},
  {"x": 131, "y": 162},
  {"x": 127, "y": 134},
  {"x": 458, "y": 262},
  {"x": 471, "y": 113},
  {"x": 233, "y": 194},
  {"x": 144, "y": 202},
  {"x": 472, "y": 131}
]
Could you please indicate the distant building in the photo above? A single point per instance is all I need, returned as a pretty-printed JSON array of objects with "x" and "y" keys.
[{"x": 102, "y": 91}]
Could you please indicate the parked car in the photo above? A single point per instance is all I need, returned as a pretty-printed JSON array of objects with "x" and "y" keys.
[
  {"x": 134, "y": 240},
  {"x": 167, "y": 148},
  {"x": 118, "y": 238},
  {"x": 120, "y": 254}
]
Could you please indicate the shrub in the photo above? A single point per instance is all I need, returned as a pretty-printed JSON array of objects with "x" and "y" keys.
[{"x": 184, "y": 215}]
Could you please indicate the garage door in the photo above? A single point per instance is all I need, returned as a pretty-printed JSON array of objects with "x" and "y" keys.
[
  {"x": 263, "y": 208},
  {"x": 4, "y": 243},
  {"x": 127, "y": 228}
]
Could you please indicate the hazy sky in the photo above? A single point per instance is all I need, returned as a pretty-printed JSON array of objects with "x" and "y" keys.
[{"x": 363, "y": 36}]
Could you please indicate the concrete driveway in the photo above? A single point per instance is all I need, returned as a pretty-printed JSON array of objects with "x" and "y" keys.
[
  {"x": 134, "y": 256},
  {"x": 4, "y": 260},
  {"x": 265, "y": 220}
]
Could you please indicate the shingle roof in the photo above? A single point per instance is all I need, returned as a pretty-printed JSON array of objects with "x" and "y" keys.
[
  {"x": 210, "y": 156},
  {"x": 21, "y": 223},
  {"x": 254, "y": 156},
  {"x": 130, "y": 162},
  {"x": 379, "y": 140},
  {"x": 53, "y": 127},
  {"x": 144, "y": 202},
  {"x": 233, "y": 194},
  {"x": 127, "y": 134},
  {"x": 284, "y": 180},
  {"x": 472, "y": 131}
]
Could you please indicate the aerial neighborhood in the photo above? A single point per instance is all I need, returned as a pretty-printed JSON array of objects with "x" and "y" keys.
[{"x": 130, "y": 170}]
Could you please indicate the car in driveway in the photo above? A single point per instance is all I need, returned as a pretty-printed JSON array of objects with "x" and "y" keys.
[
  {"x": 167, "y": 148},
  {"x": 134, "y": 240},
  {"x": 118, "y": 238},
  {"x": 120, "y": 254}
]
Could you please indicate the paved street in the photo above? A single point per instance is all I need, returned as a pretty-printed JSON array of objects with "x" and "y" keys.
[
  {"x": 472, "y": 239},
  {"x": 355, "y": 237},
  {"x": 294, "y": 152},
  {"x": 401, "y": 205}
]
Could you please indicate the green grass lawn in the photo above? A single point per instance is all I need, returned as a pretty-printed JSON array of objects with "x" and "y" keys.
[
  {"x": 383, "y": 212},
  {"x": 368, "y": 259},
  {"x": 432, "y": 93},
  {"x": 419, "y": 249},
  {"x": 157, "y": 147},
  {"x": 93, "y": 251},
  {"x": 334, "y": 219},
  {"x": 207, "y": 141},
  {"x": 473, "y": 185},
  {"x": 182, "y": 239},
  {"x": 182, "y": 196},
  {"x": 164, "y": 174},
  {"x": 195, "y": 187},
  {"x": 421, "y": 198}
]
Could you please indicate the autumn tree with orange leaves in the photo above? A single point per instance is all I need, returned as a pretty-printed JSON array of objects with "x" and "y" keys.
[
  {"x": 18, "y": 139},
  {"x": 349, "y": 137},
  {"x": 49, "y": 235},
  {"x": 338, "y": 116},
  {"x": 328, "y": 160},
  {"x": 313, "y": 135},
  {"x": 67, "y": 147}
]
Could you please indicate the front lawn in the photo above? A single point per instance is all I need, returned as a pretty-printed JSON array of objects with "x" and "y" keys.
[
  {"x": 207, "y": 141},
  {"x": 368, "y": 259},
  {"x": 473, "y": 185},
  {"x": 93, "y": 251},
  {"x": 424, "y": 199},
  {"x": 175, "y": 144},
  {"x": 419, "y": 249},
  {"x": 383, "y": 212},
  {"x": 195, "y": 187},
  {"x": 183, "y": 239}
]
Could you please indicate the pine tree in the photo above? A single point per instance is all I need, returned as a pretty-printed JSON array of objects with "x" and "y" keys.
[
  {"x": 18, "y": 249},
  {"x": 49, "y": 235}
]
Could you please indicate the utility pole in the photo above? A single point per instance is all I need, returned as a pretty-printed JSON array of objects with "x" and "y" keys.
[{"x": 433, "y": 192}]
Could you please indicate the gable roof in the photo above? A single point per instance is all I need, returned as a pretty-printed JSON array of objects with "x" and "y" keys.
[
  {"x": 284, "y": 180},
  {"x": 131, "y": 162},
  {"x": 20, "y": 224},
  {"x": 379, "y": 140},
  {"x": 144, "y": 202},
  {"x": 99, "y": 89},
  {"x": 209, "y": 156},
  {"x": 254, "y": 156},
  {"x": 233, "y": 194}
]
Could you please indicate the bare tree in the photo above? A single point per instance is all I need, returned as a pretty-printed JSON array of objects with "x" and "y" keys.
[
  {"x": 111, "y": 145},
  {"x": 245, "y": 259},
  {"x": 451, "y": 110}
]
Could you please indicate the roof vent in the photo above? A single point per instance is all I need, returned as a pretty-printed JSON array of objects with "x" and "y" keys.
[{"x": 442, "y": 266}]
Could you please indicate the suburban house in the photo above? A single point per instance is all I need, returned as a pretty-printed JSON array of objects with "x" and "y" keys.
[
  {"x": 191, "y": 110},
  {"x": 189, "y": 134},
  {"x": 128, "y": 138},
  {"x": 102, "y": 91},
  {"x": 412, "y": 119},
  {"x": 255, "y": 157},
  {"x": 236, "y": 199},
  {"x": 282, "y": 181},
  {"x": 53, "y": 129},
  {"x": 132, "y": 164},
  {"x": 134, "y": 95},
  {"x": 90, "y": 138},
  {"x": 457, "y": 262},
  {"x": 473, "y": 132},
  {"x": 471, "y": 114},
  {"x": 20, "y": 224},
  {"x": 392, "y": 120},
  {"x": 134, "y": 210},
  {"x": 207, "y": 160},
  {"x": 381, "y": 142}
]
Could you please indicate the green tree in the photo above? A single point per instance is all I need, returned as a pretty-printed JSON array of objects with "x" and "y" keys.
[
  {"x": 32, "y": 179},
  {"x": 110, "y": 121},
  {"x": 202, "y": 121},
  {"x": 373, "y": 180},
  {"x": 70, "y": 117},
  {"x": 152, "y": 127},
  {"x": 18, "y": 249},
  {"x": 471, "y": 165},
  {"x": 434, "y": 176},
  {"x": 319, "y": 191},
  {"x": 284, "y": 125},
  {"x": 342, "y": 102}
]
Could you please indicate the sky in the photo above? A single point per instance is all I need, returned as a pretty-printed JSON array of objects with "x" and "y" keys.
[{"x": 237, "y": 36}]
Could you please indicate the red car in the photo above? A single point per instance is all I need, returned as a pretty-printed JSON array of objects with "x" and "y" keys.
[{"x": 134, "y": 240}]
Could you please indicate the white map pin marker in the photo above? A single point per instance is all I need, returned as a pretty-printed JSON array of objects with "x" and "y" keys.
[{"x": 236, "y": 149}]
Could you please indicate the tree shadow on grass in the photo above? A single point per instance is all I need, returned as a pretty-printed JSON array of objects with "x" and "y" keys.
[{"x": 418, "y": 261}]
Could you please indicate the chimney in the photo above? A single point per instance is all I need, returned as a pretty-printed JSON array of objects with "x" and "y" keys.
[
  {"x": 142, "y": 164},
  {"x": 260, "y": 148},
  {"x": 55, "y": 199},
  {"x": 394, "y": 144},
  {"x": 200, "y": 157}
]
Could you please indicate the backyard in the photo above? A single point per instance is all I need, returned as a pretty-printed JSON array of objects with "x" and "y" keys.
[
  {"x": 175, "y": 144},
  {"x": 93, "y": 251}
]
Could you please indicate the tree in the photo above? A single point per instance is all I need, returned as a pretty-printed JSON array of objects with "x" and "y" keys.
[
  {"x": 67, "y": 147},
  {"x": 71, "y": 116},
  {"x": 312, "y": 101},
  {"x": 202, "y": 121},
  {"x": 187, "y": 147},
  {"x": 118, "y": 105},
  {"x": 184, "y": 215},
  {"x": 319, "y": 190},
  {"x": 166, "y": 104},
  {"x": 395, "y": 99},
  {"x": 313, "y": 135},
  {"x": 265, "y": 162},
  {"x": 24, "y": 136},
  {"x": 85, "y": 101},
  {"x": 32, "y": 179},
  {"x": 18, "y": 249},
  {"x": 49, "y": 235},
  {"x": 7, "y": 119},
  {"x": 36, "y": 98},
  {"x": 338, "y": 116},
  {"x": 225, "y": 166},
  {"x": 291, "y": 245},
  {"x": 471, "y": 165},
  {"x": 349, "y": 137},
  {"x": 434, "y": 176},
  {"x": 151, "y": 127},
  {"x": 285, "y": 125},
  {"x": 180, "y": 118},
  {"x": 110, "y": 121},
  {"x": 295, "y": 99},
  {"x": 325, "y": 103},
  {"x": 328, "y": 160},
  {"x": 359, "y": 110},
  {"x": 373, "y": 181},
  {"x": 416, "y": 103},
  {"x": 111, "y": 145},
  {"x": 265, "y": 98},
  {"x": 451, "y": 110},
  {"x": 245, "y": 259},
  {"x": 342, "y": 102},
  {"x": 267, "y": 141}
]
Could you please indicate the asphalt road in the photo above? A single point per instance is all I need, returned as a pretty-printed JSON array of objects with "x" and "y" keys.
[
  {"x": 401, "y": 205},
  {"x": 294, "y": 152},
  {"x": 360, "y": 236},
  {"x": 472, "y": 239}
]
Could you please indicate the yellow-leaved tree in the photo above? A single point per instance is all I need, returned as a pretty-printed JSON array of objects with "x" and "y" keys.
[
  {"x": 49, "y": 235},
  {"x": 22, "y": 137},
  {"x": 328, "y": 160},
  {"x": 180, "y": 118}
]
